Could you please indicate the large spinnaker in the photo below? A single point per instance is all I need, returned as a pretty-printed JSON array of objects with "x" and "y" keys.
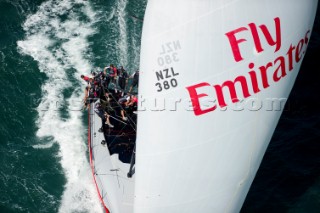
[{"x": 224, "y": 69}]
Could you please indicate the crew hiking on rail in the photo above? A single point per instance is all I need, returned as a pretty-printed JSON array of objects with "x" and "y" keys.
[{"x": 108, "y": 90}]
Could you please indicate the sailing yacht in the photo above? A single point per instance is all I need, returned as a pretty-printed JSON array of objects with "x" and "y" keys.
[{"x": 214, "y": 78}]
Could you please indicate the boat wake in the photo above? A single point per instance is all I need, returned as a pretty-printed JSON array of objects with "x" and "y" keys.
[
  {"x": 123, "y": 42},
  {"x": 57, "y": 38}
]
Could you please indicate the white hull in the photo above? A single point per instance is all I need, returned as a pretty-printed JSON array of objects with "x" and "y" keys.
[{"x": 114, "y": 188}]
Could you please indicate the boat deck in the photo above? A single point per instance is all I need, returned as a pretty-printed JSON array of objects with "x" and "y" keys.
[{"x": 115, "y": 189}]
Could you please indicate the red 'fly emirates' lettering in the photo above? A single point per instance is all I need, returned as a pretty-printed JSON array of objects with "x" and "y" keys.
[
  {"x": 272, "y": 41},
  {"x": 280, "y": 67}
]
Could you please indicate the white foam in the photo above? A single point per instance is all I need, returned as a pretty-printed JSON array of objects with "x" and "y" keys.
[
  {"x": 43, "y": 146},
  {"x": 136, "y": 48},
  {"x": 112, "y": 13},
  {"x": 123, "y": 41},
  {"x": 61, "y": 48}
]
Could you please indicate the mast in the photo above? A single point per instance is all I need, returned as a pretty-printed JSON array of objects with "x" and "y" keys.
[{"x": 220, "y": 73}]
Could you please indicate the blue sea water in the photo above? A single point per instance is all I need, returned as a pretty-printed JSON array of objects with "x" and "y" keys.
[{"x": 44, "y": 47}]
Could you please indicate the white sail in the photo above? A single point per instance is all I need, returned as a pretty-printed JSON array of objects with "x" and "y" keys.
[{"x": 234, "y": 63}]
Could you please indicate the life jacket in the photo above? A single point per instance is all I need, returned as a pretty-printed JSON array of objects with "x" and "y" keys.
[
  {"x": 86, "y": 78},
  {"x": 115, "y": 71},
  {"x": 135, "y": 100},
  {"x": 112, "y": 71}
]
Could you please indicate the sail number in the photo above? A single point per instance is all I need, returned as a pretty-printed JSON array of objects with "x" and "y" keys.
[
  {"x": 169, "y": 53},
  {"x": 166, "y": 84},
  {"x": 167, "y": 59},
  {"x": 166, "y": 79}
]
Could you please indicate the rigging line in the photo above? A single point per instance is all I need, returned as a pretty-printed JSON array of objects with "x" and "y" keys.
[
  {"x": 114, "y": 118},
  {"x": 116, "y": 136},
  {"x": 118, "y": 119},
  {"x": 122, "y": 109},
  {"x": 122, "y": 121},
  {"x": 119, "y": 135},
  {"x": 115, "y": 107},
  {"x": 129, "y": 122},
  {"x": 104, "y": 89}
]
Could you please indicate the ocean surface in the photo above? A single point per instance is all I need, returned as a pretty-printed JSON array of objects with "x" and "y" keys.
[{"x": 45, "y": 45}]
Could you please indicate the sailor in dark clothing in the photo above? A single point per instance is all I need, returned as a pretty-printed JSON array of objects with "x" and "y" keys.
[
  {"x": 105, "y": 102},
  {"x": 124, "y": 105},
  {"x": 91, "y": 94},
  {"x": 102, "y": 79},
  {"x": 91, "y": 82},
  {"x": 111, "y": 74},
  {"x": 97, "y": 90},
  {"x": 108, "y": 72},
  {"x": 123, "y": 78},
  {"x": 103, "y": 115},
  {"x": 135, "y": 81},
  {"x": 98, "y": 109},
  {"x": 85, "y": 99}
]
